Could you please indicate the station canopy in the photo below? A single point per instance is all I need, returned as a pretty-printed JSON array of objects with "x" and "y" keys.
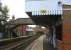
[
  {"x": 43, "y": 7},
  {"x": 44, "y": 12}
]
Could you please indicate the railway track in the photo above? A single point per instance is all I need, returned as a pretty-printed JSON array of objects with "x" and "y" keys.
[
  {"x": 26, "y": 43},
  {"x": 10, "y": 43},
  {"x": 21, "y": 44}
]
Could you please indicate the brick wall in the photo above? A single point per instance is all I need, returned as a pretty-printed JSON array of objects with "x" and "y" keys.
[
  {"x": 66, "y": 43},
  {"x": 20, "y": 30}
]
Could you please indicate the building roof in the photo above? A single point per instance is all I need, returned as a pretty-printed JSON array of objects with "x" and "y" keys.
[
  {"x": 26, "y": 21},
  {"x": 66, "y": 6},
  {"x": 19, "y": 21}
]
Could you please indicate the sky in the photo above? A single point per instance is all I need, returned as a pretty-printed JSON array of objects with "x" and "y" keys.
[
  {"x": 47, "y": 5},
  {"x": 17, "y": 7},
  {"x": 67, "y": 1}
]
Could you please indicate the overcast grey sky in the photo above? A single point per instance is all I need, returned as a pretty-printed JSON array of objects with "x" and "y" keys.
[{"x": 17, "y": 7}]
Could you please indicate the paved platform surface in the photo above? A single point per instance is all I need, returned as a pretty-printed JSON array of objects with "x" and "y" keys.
[
  {"x": 41, "y": 44},
  {"x": 37, "y": 44}
]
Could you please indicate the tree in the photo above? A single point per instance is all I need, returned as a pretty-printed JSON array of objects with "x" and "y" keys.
[
  {"x": 5, "y": 14},
  {"x": 3, "y": 17}
]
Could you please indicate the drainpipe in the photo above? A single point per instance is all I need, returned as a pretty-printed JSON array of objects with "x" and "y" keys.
[{"x": 54, "y": 37}]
